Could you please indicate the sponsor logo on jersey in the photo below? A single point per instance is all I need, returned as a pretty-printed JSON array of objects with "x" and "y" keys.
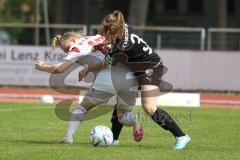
[{"x": 126, "y": 38}]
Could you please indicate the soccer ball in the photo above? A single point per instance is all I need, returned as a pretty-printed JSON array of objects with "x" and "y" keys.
[
  {"x": 47, "y": 99},
  {"x": 101, "y": 136}
]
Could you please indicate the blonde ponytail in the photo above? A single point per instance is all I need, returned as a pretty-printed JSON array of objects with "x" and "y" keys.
[{"x": 55, "y": 41}]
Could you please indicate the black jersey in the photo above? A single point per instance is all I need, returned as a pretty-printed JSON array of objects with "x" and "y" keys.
[{"x": 136, "y": 49}]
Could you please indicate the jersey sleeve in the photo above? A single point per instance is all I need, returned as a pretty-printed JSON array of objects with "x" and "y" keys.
[
  {"x": 74, "y": 55},
  {"x": 84, "y": 47},
  {"x": 98, "y": 39}
]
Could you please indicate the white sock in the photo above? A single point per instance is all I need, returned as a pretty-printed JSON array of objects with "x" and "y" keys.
[{"x": 76, "y": 120}]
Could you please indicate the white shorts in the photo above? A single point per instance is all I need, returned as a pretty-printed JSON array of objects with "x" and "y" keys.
[
  {"x": 98, "y": 97},
  {"x": 104, "y": 90}
]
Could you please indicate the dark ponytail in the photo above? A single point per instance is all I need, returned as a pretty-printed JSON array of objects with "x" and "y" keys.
[{"x": 113, "y": 27}]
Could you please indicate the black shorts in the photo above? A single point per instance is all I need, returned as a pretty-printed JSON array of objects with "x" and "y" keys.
[{"x": 152, "y": 76}]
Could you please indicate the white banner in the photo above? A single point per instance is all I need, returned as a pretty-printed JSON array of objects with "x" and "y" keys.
[
  {"x": 187, "y": 70},
  {"x": 177, "y": 100},
  {"x": 17, "y": 66}
]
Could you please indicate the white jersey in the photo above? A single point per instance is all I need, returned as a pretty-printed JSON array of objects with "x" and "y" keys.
[
  {"x": 77, "y": 54},
  {"x": 82, "y": 52},
  {"x": 83, "y": 47}
]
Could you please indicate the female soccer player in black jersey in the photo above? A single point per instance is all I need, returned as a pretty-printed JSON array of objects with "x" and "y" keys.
[{"x": 130, "y": 49}]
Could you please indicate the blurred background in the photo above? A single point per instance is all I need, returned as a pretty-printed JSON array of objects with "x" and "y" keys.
[
  {"x": 198, "y": 40},
  {"x": 191, "y": 24}
]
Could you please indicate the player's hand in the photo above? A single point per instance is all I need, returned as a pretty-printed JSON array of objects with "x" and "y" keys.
[
  {"x": 83, "y": 73},
  {"x": 39, "y": 65}
]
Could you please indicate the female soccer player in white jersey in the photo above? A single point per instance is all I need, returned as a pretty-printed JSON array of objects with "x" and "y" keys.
[
  {"x": 125, "y": 43},
  {"x": 77, "y": 47}
]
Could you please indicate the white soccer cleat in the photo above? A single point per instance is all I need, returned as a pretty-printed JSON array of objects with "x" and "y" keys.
[
  {"x": 115, "y": 142},
  {"x": 181, "y": 142},
  {"x": 66, "y": 140}
]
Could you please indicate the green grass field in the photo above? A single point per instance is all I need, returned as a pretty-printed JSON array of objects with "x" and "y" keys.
[{"x": 31, "y": 131}]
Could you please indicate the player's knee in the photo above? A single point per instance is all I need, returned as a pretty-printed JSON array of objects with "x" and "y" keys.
[{"x": 149, "y": 109}]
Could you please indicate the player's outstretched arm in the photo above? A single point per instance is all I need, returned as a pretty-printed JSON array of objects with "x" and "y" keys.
[{"x": 56, "y": 68}]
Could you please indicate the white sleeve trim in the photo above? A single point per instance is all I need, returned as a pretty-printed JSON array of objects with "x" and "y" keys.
[{"x": 73, "y": 56}]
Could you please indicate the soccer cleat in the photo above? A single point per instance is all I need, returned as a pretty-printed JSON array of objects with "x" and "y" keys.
[
  {"x": 181, "y": 142},
  {"x": 137, "y": 131},
  {"x": 66, "y": 140},
  {"x": 115, "y": 142}
]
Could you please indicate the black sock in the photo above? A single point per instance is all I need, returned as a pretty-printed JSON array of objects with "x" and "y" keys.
[
  {"x": 116, "y": 125},
  {"x": 164, "y": 120}
]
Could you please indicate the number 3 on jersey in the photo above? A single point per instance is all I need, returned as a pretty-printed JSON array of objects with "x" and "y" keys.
[{"x": 146, "y": 48}]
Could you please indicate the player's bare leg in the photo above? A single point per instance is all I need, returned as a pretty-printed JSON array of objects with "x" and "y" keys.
[
  {"x": 162, "y": 118},
  {"x": 76, "y": 120}
]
